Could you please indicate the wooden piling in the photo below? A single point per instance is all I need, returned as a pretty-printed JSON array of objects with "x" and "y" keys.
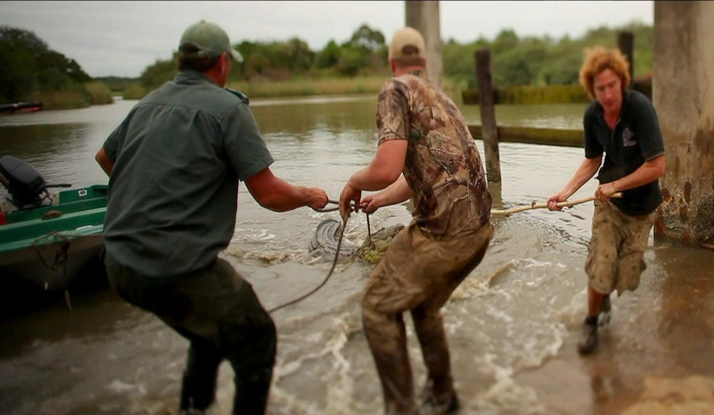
[
  {"x": 488, "y": 115},
  {"x": 625, "y": 42}
]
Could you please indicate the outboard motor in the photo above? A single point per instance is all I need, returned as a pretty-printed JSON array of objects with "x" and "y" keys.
[{"x": 23, "y": 182}]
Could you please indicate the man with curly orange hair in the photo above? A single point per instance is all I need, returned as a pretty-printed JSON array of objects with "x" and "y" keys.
[{"x": 622, "y": 123}]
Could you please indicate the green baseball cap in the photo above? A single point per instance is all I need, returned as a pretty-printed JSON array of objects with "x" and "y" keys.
[{"x": 209, "y": 39}]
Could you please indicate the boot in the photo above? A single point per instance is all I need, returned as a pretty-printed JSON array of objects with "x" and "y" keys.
[
  {"x": 588, "y": 337},
  {"x": 605, "y": 312}
]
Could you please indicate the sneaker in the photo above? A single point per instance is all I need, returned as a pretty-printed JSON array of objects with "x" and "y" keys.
[
  {"x": 588, "y": 338},
  {"x": 605, "y": 308}
]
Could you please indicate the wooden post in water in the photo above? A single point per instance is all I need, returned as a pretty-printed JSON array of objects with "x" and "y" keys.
[
  {"x": 625, "y": 42},
  {"x": 488, "y": 115}
]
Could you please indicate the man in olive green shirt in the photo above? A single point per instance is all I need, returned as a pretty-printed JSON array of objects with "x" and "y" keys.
[{"x": 174, "y": 165}]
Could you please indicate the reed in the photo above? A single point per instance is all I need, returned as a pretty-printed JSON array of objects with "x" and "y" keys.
[
  {"x": 62, "y": 99},
  {"x": 134, "y": 92},
  {"x": 99, "y": 94}
]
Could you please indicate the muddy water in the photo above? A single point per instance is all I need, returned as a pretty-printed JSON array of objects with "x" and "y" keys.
[{"x": 512, "y": 325}]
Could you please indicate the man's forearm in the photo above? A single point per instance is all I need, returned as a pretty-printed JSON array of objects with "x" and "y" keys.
[
  {"x": 397, "y": 192},
  {"x": 285, "y": 197},
  {"x": 104, "y": 161},
  {"x": 372, "y": 177},
  {"x": 585, "y": 172}
]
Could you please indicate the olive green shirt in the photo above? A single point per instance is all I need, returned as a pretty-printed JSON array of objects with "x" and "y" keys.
[{"x": 174, "y": 187}]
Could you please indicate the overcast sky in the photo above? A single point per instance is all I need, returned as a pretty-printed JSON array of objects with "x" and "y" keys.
[{"x": 122, "y": 38}]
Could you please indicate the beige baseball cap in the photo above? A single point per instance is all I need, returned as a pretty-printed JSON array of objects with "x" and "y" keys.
[{"x": 407, "y": 42}]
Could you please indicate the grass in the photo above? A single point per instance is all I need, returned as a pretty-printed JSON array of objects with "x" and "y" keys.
[
  {"x": 134, "y": 91},
  {"x": 63, "y": 99},
  {"x": 303, "y": 87},
  {"x": 99, "y": 94}
]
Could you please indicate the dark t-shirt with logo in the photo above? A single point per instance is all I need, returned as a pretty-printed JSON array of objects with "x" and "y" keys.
[{"x": 635, "y": 139}]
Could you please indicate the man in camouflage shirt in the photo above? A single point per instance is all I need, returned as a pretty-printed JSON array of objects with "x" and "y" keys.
[{"x": 423, "y": 135}]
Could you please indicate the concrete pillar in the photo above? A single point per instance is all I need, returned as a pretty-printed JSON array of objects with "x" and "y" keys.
[
  {"x": 683, "y": 95},
  {"x": 424, "y": 17}
]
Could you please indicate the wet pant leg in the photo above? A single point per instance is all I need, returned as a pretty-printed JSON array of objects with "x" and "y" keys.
[
  {"x": 417, "y": 274},
  {"x": 220, "y": 315},
  {"x": 387, "y": 339},
  {"x": 199, "y": 379}
]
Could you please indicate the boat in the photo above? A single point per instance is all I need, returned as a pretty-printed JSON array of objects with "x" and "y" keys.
[
  {"x": 47, "y": 238},
  {"x": 21, "y": 107}
]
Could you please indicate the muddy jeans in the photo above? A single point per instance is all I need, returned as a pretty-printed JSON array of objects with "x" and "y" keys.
[
  {"x": 616, "y": 249},
  {"x": 417, "y": 274},
  {"x": 218, "y": 312}
]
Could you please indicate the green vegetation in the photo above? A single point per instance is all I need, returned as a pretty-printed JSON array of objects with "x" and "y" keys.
[
  {"x": 538, "y": 61},
  {"x": 118, "y": 85},
  {"x": 30, "y": 70},
  {"x": 360, "y": 65},
  {"x": 134, "y": 92},
  {"x": 521, "y": 67},
  {"x": 99, "y": 94},
  {"x": 291, "y": 68}
]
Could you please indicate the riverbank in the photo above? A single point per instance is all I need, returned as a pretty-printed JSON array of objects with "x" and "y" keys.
[
  {"x": 77, "y": 96},
  {"x": 300, "y": 87}
]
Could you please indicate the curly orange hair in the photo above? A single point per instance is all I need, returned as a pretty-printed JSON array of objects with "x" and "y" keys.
[{"x": 599, "y": 59}]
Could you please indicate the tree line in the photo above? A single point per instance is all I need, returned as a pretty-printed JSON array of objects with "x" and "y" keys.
[
  {"x": 528, "y": 60},
  {"x": 29, "y": 69}
]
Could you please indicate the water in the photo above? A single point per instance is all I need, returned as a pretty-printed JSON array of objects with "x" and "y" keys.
[{"x": 512, "y": 325}]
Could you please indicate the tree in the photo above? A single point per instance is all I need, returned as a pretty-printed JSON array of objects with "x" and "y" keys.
[
  {"x": 17, "y": 72},
  {"x": 328, "y": 56},
  {"x": 365, "y": 37},
  {"x": 45, "y": 58},
  {"x": 158, "y": 73},
  {"x": 24, "y": 39}
]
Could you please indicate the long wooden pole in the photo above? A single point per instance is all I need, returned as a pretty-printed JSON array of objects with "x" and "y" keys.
[{"x": 535, "y": 205}]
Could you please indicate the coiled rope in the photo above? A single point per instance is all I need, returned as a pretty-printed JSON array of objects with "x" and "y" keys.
[{"x": 334, "y": 261}]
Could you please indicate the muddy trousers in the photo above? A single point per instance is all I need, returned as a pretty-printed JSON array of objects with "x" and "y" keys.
[
  {"x": 417, "y": 275},
  {"x": 220, "y": 315}
]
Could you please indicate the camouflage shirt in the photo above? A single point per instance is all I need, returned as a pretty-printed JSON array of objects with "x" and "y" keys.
[{"x": 443, "y": 166}]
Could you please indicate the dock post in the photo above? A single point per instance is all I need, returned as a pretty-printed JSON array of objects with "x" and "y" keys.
[
  {"x": 683, "y": 81},
  {"x": 424, "y": 17},
  {"x": 625, "y": 42},
  {"x": 488, "y": 115}
]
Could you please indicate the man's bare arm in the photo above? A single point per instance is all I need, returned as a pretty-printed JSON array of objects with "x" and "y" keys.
[
  {"x": 276, "y": 194},
  {"x": 104, "y": 161},
  {"x": 384, "y": 169},
  {"x": 585, "y": 172},
  {"x": 397, "y": 192},
  {"x": 648, "y": 172}
]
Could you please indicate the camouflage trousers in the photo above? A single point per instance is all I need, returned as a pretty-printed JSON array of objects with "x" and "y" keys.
[
  {"x": 616, "y": 249},
  {"x": 417, "y": 274}
]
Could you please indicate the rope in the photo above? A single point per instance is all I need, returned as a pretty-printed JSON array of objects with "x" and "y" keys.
[
  {"x": 59, "y": 261},
  {"x": 329, "y": 274},
  {"x": 334, "y": 261}
]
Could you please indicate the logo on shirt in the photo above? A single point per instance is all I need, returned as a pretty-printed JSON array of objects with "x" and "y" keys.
[{"x": 628, "y": 138}]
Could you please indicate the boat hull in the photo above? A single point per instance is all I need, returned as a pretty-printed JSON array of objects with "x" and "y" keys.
[{"x": 47, "y": 266}]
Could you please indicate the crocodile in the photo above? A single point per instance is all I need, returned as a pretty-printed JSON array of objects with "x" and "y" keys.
[{"x": 327, "y": 235}]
